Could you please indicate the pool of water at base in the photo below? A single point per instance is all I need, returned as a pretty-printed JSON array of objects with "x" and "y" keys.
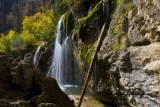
[{"x": 73, "y": 90}]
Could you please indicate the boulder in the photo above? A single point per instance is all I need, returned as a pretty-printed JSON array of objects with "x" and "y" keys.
[{"x": 51, "y": 93}]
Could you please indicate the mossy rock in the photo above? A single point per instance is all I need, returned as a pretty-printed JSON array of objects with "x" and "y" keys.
[
  {"x": 121, "y": 27},
  {"x": 69, "y": 22},
  {"x": 87, "y": 26}
]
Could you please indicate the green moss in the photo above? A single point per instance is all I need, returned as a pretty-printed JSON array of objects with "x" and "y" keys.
[
  {"x": 128, "y": 7},
  {"x": 119, "y": 2},
  {"x": 121, "y": 44},
  {"x": 87, "y": 52},
  {"x": 68, "y": 22},
  {"x": 91, "y": 13},
  {"x": 83, "y": 23},
  {"x": 119, "y": 26}
]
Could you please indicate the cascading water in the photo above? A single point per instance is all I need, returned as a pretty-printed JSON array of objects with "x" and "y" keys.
[
  {"x": 63, "y": 66},
  {"x": 37, "y": 57}
]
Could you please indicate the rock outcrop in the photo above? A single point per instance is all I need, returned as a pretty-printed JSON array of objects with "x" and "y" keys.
[
  {"x": 22, "y": 72},
  {"x": 132, "y": 53},
  {"x": 22, "y": 86},
  {"x": 127, "y": 67}
]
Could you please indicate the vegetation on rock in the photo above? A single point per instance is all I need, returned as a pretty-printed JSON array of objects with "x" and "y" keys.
[
  {"x": 84, "y": 23},
  {"x": 69, "y": 23},
  {"x": 87, "y": 52},
  {"x": 121, "y": 23}
]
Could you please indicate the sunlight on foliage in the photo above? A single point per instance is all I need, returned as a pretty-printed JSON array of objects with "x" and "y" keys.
[
  {"x": 28, "y": 39},
  {"x": 6, "y": 41},
  {"x": 39, "y": 27}
]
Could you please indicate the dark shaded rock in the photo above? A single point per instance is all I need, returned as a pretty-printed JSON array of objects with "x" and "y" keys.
[
  {"x": 42, "y": 98},
  {"x": 51, "y": 88},
  {"x": 22, "y": 72},
  {"x": 50, "y": 93},
  {"x": 22, "y": 86},
  {"x": 5, "y": 103},
  {"x": 2, "y": 92},
  {"x": 5, "y": 62},
  {"x": 21, "y": 103}
]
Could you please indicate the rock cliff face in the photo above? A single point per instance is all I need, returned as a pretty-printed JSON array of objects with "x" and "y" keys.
[
  {"x": 22, "y": 86},
  {"x": 128, "y": 64},
  {"x": 12, "y": 12}
]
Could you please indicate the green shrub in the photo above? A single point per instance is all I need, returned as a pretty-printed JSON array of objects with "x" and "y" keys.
[
  {"x": 41, "y": 25},
  {"x": 6, "y": 41},
  {"x": 28, "y": 39},
  {"x": 5, "y": 44}
]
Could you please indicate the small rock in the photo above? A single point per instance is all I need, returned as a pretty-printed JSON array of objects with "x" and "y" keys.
[
  {"x": 21, "y": 103},
  {"x": 47, "y": 105}
]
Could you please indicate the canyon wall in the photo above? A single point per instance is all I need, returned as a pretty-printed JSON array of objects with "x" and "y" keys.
[
  {"x": 12, "y": 12},
  {"x": 127, "y": 67}
]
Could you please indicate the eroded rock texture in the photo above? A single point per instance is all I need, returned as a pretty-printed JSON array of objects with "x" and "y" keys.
[
  {"x": 127, "y": 67},
  {"x": 133, "y": 71},
  {"x": 22, "y": 86}
]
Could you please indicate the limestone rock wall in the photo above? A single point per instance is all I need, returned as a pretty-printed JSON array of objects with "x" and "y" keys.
[
  {"x": 131, "y": 52},
  {"x": 127, "y": 68}
]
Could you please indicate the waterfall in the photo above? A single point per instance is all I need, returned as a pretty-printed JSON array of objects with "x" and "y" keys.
[
  {"x": 37, "y": 57},
  {"x": 63, "y": 65}
]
